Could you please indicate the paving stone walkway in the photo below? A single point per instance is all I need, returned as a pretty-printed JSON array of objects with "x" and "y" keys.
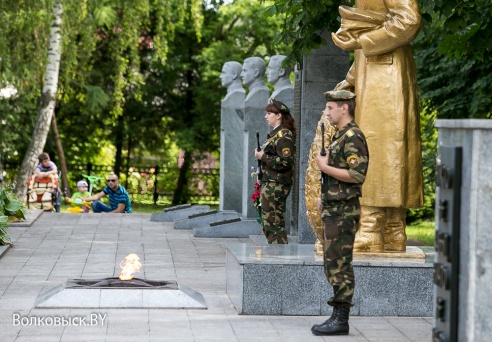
[{"x": 58, "y": 247}]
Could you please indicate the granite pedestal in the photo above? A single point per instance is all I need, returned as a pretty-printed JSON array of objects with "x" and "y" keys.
[
  {"x": 178, "y": 213},
  {"x": 289, "y": 280},
  {"x": 261, "y": 239},
  {"x": 63, "y": 296},
  {"x": 231, "y": 150},
  {"x": 203, "y": 220},
  {"x": 475, "y": 236}
]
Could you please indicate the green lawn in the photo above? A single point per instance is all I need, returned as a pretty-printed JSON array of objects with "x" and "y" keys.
[{"x": 422, "y": 231}]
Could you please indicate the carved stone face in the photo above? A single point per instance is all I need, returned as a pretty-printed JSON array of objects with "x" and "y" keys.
[
  {"x": 227, "y": 76},
  {"x": 249, "y": 73},
  {"x": 273, "y": 71}
]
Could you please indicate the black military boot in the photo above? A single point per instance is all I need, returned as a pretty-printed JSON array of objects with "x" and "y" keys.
[
  {"x": 334, "y": 314},
  {"x": 338, "y": 326}
]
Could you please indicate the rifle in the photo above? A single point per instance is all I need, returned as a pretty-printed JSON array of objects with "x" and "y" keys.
[
  {"x": 323, "y": 153},
  {"x": 258, "y": 169}
]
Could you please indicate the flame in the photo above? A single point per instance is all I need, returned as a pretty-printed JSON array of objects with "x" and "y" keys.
[{"x": 129, "y": 266}]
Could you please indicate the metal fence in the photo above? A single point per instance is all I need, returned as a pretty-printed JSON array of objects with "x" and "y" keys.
[
  {"x": 145, "y": 184},
  {"x": 157, "y": 183}
]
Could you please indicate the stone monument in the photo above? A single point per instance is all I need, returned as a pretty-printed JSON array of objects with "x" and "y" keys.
[
  {"x": 320, "y": 72},
  {"x": 252, "y": 268},
  {"x": 231, "y": 141},
  {"x": 472, "y": 259},
  {"x": 279, "y": 77},
  {"x": 253, "y": 77}
]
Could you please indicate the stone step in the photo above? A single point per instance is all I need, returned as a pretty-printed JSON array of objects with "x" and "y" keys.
[
  {"x": 179, "y": 214},
  {"x": 237, "y": 229},
  {"x": 203, "y": 220}
]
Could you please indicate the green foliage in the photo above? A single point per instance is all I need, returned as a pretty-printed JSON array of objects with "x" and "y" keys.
[
  {"x": 429, "y": 151},
  {"x": 303, "y": 21},
  {"x": 453, "y": 88},
  {"x": 24, "y": 29},
  {"x": 467, "y": 33},
  {"x": 467, "y": 27},
  {"x": 10, "y": 208}
]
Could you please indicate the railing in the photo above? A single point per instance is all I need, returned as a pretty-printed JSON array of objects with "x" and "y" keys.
[
  {"x": 147, "y": 184},
  {"x": 157, "y": 183}
]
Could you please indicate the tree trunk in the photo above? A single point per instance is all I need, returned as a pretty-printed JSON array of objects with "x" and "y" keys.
[
  {"x": 118, "y": 158},
  {"x": 181, "y": 193},
  {"x": 47, "y": 103},
  {"x": 61, "y": 156}
]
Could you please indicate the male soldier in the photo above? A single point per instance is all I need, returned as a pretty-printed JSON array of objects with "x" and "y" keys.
[{"x": 345, "y": 166}]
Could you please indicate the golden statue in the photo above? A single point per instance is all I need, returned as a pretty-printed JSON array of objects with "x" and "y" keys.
[
  {"x": 383, "y": 76},
  {"x": 312, "y": 190}
]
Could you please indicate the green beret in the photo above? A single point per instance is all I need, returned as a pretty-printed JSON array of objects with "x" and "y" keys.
[
  {"x": 339, "y": 95},
  {"x": 280, "y": 106}
]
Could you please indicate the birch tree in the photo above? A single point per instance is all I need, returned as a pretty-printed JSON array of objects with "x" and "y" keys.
[{"x": 47, "y": 102}]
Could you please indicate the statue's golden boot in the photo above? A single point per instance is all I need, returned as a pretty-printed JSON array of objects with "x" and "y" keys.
[
  {"x": 394, "y": 235},
  {"x": 369, "y": 237}
]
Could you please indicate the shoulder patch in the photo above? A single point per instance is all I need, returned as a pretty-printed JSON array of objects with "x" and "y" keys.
[
  {"x": 352, "y": 161},
  {"x": 286, "y": 152},
  {"x": 349, "y": 133},
  {"x": 280, "y": 133}
]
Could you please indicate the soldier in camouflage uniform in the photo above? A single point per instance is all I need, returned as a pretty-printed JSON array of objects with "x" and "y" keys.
[
  {"x": 277, "y": 162},
  {"x": 344, "y": 167}
]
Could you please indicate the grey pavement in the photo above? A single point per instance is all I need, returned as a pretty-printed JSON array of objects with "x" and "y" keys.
[{"x": 58, "y": 247}]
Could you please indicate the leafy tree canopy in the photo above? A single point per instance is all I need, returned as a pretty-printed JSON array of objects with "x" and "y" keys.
[
  {"x": 467, "y": 33},
  {"x": 467, "y": 27}
]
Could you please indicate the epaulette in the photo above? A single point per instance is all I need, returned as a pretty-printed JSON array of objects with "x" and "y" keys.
[
  {"x": 280, "y": 133},
  {"x": 349, "y": 133}
]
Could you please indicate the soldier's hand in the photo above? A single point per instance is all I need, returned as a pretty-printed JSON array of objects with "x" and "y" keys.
[
  {"x": 322, "y": 160},
  {"x": 258, "y": 154}
]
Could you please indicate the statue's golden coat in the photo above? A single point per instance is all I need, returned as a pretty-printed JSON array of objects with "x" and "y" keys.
[{"x": 383, "y": 77}]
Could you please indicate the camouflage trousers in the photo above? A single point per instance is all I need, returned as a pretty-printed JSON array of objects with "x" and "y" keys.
[
  {"x": 340, "y": 223},
  {"x": 273, "y": 198}
]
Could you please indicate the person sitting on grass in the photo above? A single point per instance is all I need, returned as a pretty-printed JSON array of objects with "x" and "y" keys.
[
  {"x": 82, "y": 192},
  {"x": 119, "y": 200}
]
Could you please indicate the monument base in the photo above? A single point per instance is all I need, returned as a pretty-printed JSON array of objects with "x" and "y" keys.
[
  {"x": 410, "y": 253},
  {"x": 66, "y": 296},
  {"x": 289, "y": 280},
  {"x": 261, "y": 239}
]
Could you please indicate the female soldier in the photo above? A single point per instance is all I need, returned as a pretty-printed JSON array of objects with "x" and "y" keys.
[{"x": 277, "y": 162}]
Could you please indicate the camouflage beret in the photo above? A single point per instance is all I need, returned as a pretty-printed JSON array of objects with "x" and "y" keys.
[
  {"x": 339, "y": 95},
  {"x": 280, "y": 106}
]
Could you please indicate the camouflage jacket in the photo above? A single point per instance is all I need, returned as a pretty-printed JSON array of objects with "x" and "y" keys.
[
  {"x": 278, "y": 158},
  {"x": 349, "y": 151}
]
